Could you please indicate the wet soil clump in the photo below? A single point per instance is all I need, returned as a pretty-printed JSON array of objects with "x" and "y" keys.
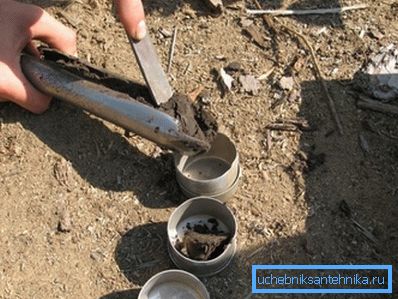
[
  {"x": 202, "y": 243},
  {"x": 195, "y": 120}
]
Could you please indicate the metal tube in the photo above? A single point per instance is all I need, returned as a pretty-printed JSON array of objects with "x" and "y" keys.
[{"x": 110, "y": 105}]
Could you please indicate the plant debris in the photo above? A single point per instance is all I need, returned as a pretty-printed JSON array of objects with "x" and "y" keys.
[
  {"x": 233, "y": 67},
  {"x": 215, "y": 5},
  {"x": 249, "y": 84},
  {"x": 287, "y": 83},
  {"x": 258, "y": 37},
  {"x": 378, "y": 77},
  {"x": 203, "y": 243},
  {"x": 226, "y": 80}
]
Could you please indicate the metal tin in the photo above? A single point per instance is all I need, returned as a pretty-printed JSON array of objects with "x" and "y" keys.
[
  {"x": 211, "y": 173},
  {"x": 199, "y": 210},
  {"x": 223, "y": 196},
  {"x": 174, "y": 284}
]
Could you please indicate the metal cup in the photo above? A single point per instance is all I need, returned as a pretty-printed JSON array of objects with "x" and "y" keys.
[
  {"x": 174, "y": 284},
  {"x": 215, "y": 173},
  {"x": 197, "y": 211}
]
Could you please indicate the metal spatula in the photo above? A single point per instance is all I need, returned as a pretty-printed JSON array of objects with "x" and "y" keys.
[{"x": 152, "y": 70}]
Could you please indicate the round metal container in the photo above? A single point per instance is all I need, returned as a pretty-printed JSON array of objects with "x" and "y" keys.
[
  {"x": 174, "y": 284},
  {"x": 213, "y": 172},
  {"x": 223, "y": 196},
  {"x": 199, "y": 210}
]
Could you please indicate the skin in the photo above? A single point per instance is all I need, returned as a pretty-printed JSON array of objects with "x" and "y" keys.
[{"x": 21, "y": 24}]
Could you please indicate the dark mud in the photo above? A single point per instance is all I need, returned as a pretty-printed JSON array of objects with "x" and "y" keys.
[
  {"x": 195, "y": 120},
  {"x": 202, "y": 243}
]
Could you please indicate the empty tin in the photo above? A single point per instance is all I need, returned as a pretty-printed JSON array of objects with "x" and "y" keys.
[
  {"x": 200, "y": 210},
  {"x": 215, "y": 173},
  {"x": 174, "y": 284}
]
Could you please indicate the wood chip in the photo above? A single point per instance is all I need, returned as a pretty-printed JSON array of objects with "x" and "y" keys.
[
  {"x": 63, "y": 174},
  {"x": 363, "y": 143},
  {"x": 259, "y": 38},
  {"x": 249, "y": 84},
  {"x": 215, "y": 5},
  {"x": 65, "y": 222},
  {"x": 193, "y": 95},
  {"x": 226, "y": 80},
  {"x": 286, "y": 83},
  {"x": 367, "y": 103},
  {"x": 266, "y": 75}
]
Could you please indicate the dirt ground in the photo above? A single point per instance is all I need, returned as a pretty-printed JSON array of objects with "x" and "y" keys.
[{"x": 299, "y": 193}]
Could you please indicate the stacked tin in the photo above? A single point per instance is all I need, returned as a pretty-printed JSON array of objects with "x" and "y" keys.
[{"x": 209, "y": 180}]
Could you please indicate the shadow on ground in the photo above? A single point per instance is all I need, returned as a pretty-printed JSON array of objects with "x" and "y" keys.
[
  {"x": 104, "y": 158},
  {"x": 351, "y": 197}
]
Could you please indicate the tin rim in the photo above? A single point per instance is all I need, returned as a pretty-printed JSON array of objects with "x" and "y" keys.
[
  {"x": 230, "y": 244},
  {"x": 190, "y": 275}
]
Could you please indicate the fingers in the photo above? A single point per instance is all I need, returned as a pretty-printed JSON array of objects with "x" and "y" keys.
[
  {"x": 131, "y": 13},
  {"x": 55, "y": 34},
  {"x": 19, "y": 90},
  {"x": 32, "y": 49}
]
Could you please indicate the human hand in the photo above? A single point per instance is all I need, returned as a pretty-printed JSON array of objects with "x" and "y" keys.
[
  {"x": 20, "y": 24},
  {"x": 131, "y": 14}
]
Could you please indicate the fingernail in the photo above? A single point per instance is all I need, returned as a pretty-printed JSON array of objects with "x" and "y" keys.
[{"x": 141, "y": 30}]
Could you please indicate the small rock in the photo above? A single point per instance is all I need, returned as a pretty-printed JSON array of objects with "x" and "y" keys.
[
  {"x": 363, "y": 143},
  {"x": 245, "y": 22},
  {"x": 215, "y": 5},
  {"x": 233, "y": 67},
  {"x": 63, "y": 173},
  {"x": 205, "y": 97},
  {"x": 226, "y": 80},
  {"x": 376, "y": 34},
  {"x": 165, "y": 32},
  {"x": 249, "y": 84},
  {"x": 96, "y": 256},
  {"x": 362, "y": 33},
  {"x": 64, "y": 223},
  {"x": 287, "y": 83}
]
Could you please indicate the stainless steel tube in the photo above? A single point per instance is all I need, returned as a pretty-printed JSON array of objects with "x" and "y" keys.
[{"x": 110, "y": 105}]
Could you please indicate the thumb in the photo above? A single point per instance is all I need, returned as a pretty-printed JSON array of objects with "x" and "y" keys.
[{"x": 131, "y": 14}]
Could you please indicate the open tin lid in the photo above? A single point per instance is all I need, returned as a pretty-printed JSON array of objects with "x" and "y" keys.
[{"x": 174, "y": 284}]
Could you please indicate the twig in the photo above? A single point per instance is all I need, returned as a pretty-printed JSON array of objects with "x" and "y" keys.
[
  {"x": 255, "y": 252},
  {"x": 367, "y": 103},
  {"x": 284, "y": 12},
  {"x": 172, "y": 49},
  {"x": 266, "y": 75},
  {"x": 282, "y": 127},
  {"x": 331, "y": 104},
  {"x": 292, "y": 125},
  {"x": 321, "y": 79},
  {"x": 364, "y": 231},
  {"x": 193, "y": 95},
  {"x": 269, "y": 141}
]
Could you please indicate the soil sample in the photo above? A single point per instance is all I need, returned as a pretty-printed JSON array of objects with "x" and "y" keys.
[
  {"x": 195, "y": 120},
  {"x": 201, "y": 243}
]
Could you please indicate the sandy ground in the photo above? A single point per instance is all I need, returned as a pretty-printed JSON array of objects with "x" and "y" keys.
[{"x": 119, "y": 191}]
